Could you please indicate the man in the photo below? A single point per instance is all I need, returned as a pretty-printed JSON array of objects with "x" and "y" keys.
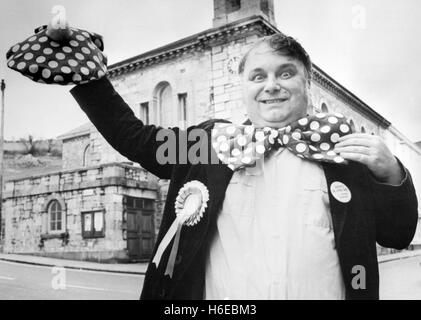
[{"x": 289, "y": 228}]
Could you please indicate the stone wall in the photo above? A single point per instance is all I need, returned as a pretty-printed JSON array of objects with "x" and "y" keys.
[
  {"x": 227, "y": 91},
  {"x": 187, "y": 74},
  {"x": 99, "y": 151},
  {"x": 246, "y": 8},
  {"x": 96, "y": 188},
  {"x": 73, "y": 150}
]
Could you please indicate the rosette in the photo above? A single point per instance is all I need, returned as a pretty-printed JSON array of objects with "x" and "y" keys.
[{"x": 190, "y": 204}]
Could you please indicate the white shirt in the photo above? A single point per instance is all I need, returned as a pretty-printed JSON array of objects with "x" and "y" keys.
[{"x": 274, "y": 236}]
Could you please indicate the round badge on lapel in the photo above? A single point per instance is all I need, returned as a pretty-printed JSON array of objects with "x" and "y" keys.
[{"x": 340, "y": 192}]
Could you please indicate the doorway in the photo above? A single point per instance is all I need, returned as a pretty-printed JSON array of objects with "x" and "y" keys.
[{"x": 140, "y": 227}]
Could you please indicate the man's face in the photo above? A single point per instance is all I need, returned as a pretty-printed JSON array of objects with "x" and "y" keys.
[{"x": 275, "y": 88}]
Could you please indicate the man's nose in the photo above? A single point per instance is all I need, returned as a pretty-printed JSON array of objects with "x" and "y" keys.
[{"x": 272, "y": 85}]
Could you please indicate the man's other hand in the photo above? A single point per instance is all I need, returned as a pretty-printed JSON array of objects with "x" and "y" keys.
[{"x": 372, "y": 151}]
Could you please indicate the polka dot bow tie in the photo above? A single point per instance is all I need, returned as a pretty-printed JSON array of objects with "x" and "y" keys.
[
  {"x": 312, "y": 138},
  {"x": 73, "y": 59}
]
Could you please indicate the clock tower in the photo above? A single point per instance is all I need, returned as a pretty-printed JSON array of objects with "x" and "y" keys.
[{"x": 227, "y": 11}]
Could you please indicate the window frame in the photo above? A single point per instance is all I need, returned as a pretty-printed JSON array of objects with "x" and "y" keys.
[
  {"x": 144, "y": 112},
  {"x": 92, "y": 234},
  {"x": 165, "y": 94},
  {"x": 49, "y": 212},
  {"x": 182, "y": 110}
]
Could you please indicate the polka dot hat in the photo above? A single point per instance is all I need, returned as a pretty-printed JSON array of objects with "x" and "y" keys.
[{"x": 75, "y": 60}]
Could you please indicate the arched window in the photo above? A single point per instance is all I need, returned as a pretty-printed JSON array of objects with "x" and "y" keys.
[
  {"x": 164, "y": 109},
  {"x": 55, "y": 214},
  {"x": 324, "y": 108},
  {"x": 86, "y": 156},
  {"x": 362, "y": 129}
]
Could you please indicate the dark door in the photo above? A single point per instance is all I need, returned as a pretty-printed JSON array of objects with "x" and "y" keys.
[{"x": 140, "y": 228}]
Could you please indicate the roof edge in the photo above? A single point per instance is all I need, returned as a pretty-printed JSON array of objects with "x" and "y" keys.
[
  {"x": 190, "y": 43},
  {"x": 76, "y": 133},
  {"x": 327, "y": 82},
  {"x": 406, "y": 140}
]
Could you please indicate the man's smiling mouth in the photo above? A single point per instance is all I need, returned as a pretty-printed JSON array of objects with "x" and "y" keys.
[{"x": 273, "y": 101}]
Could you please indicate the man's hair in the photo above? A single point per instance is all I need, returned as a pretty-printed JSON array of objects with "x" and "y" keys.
[{"x": 283, "y": 45}]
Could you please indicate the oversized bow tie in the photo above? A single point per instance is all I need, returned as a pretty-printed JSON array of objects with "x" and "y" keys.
[{"x": 312, "y": 138}]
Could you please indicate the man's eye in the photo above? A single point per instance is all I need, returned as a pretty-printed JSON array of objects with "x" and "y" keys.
[
  {"x": 286, "y": 75},
  {"x": 258, "y": 77}
]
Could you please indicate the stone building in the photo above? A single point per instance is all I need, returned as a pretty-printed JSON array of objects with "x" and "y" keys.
[{"x": 103, "y": 207}]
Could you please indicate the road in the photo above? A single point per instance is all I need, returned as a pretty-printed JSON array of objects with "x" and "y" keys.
[
  {"x": 27, "y": 282},
  {"x": 400, "y": 279}
]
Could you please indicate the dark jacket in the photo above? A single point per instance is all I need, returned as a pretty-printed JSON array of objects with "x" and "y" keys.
[{"x": 376, "y": 213}]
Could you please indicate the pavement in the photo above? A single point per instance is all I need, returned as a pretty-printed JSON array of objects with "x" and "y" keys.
[
  {"x": 127, "y": 268},
  {"x": 400, "y": 255},
  {"x": 136, "y": 268}
]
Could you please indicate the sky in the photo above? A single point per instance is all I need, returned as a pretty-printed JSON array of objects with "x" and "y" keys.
[{"x": 372, "y": 47}]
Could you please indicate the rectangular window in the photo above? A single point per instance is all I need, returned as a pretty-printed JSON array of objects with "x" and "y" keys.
[
  {"x": 144, "y": 112},
  {"x": 139, "y": 203},
  {"x": 182, "y": 110},
  {"x": 93, "y": 225}
]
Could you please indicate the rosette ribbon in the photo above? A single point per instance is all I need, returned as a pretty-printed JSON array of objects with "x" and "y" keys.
[{"x": 190, "y": 205}]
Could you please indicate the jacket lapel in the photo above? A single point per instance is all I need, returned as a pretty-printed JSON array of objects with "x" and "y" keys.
[{"x": 339, "y": 210}]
